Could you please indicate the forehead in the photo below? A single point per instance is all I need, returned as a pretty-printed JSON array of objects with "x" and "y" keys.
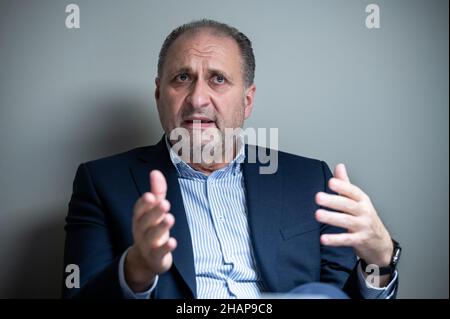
[{"x": 203, "y": 46}]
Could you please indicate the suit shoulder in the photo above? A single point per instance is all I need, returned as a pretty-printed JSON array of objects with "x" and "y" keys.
[
  {"x": 287, "y": 158},
  {"x": 296, "y": 164},
  {"x": 117, "y": 160}
]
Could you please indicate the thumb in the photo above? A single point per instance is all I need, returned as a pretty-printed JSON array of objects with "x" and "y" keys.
[
  {"x": 340, "y": 172},
  {"x": 158, "y": 185}
]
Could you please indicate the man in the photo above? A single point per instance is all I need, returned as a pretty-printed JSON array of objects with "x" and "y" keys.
[{"x": 153, "y": 223}]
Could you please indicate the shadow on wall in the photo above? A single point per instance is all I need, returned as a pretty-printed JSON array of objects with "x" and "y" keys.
[
  {"x": 116, "y": 124},
  {"x": 39, "y": 264},
  {"x": 119, "y": 124}
]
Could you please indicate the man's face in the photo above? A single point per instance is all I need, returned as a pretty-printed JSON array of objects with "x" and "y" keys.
[{"x": 203, "y": 80}]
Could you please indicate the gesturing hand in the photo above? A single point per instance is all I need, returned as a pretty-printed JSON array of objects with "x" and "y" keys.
[
  {"x": 151, "y": 253},
  {"x": 366, "y": 233}
]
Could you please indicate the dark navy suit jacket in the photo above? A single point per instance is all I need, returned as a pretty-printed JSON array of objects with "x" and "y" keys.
[{"x": 281, "y": 208}]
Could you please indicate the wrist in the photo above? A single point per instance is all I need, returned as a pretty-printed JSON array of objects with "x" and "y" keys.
[
  {"x": 384, "y": 267},
  {"x": 137, "y": 275},
  {"x": 385, "y": 261},
  {"x": 381, "y": 258}
]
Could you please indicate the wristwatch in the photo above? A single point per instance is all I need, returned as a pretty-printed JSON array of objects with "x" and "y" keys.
[{"x": 390, "y": 269}]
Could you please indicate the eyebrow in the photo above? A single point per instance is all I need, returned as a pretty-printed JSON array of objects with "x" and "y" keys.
[{"x": 210, "y": 71}]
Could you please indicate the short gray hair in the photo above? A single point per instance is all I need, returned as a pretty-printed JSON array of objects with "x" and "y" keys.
[{"x": 218, "y": 28}]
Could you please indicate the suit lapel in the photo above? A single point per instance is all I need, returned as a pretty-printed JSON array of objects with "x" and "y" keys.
[
  {"x": 263, "y": 195},
  {"x": 158, "y": 158}
]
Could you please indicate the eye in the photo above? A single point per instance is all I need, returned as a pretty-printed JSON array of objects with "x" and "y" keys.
[
  {"x": 183, "y": 77},
  {"x": 219, "y": 79}
]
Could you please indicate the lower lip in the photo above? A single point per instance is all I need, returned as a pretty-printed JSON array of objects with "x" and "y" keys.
[{"x": 199, "y": 125}]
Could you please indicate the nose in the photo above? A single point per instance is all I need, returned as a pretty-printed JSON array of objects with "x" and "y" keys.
[{"x": 199, "y": 95}]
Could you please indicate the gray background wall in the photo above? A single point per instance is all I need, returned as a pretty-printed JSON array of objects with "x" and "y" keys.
[{"x": 376, "y": 100}]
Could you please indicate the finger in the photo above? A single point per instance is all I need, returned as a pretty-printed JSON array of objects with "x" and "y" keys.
[
  {"x": 340, "y": 172},
  {"x": 166, "y": 248},
  {"x": 154, "y": 216},
  {"x": 158, "y": 235},
  {"x": 145, "y": 203},
  {"x": 346, "y": 221},
  {"x": 346, "y": 189},
  {"x": 158, "y": 184},
  {"x": 336, "y": 240},
  {"x": 337, "y": 202}
]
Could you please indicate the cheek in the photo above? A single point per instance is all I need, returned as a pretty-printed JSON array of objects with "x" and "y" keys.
[
  {"x": 238, "y": 114},
  {"x": 170, "y": 104},
  {"x": 229, "y": 120},
  {"x": 232, "y": 112}
]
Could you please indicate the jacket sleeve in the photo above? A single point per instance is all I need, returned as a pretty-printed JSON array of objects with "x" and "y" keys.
[{"x": 88, "y": 243}]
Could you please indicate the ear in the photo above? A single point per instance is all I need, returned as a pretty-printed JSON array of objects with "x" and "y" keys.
[
  {"x": 157, "y": 89},
  {"x": 249, "y": 98}
]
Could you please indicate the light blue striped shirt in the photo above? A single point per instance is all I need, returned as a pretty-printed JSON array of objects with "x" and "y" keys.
[{"x": 216, "y": 212}]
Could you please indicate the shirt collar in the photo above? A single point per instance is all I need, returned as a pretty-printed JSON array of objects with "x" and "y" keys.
[{"x": 186, "y": 171}]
